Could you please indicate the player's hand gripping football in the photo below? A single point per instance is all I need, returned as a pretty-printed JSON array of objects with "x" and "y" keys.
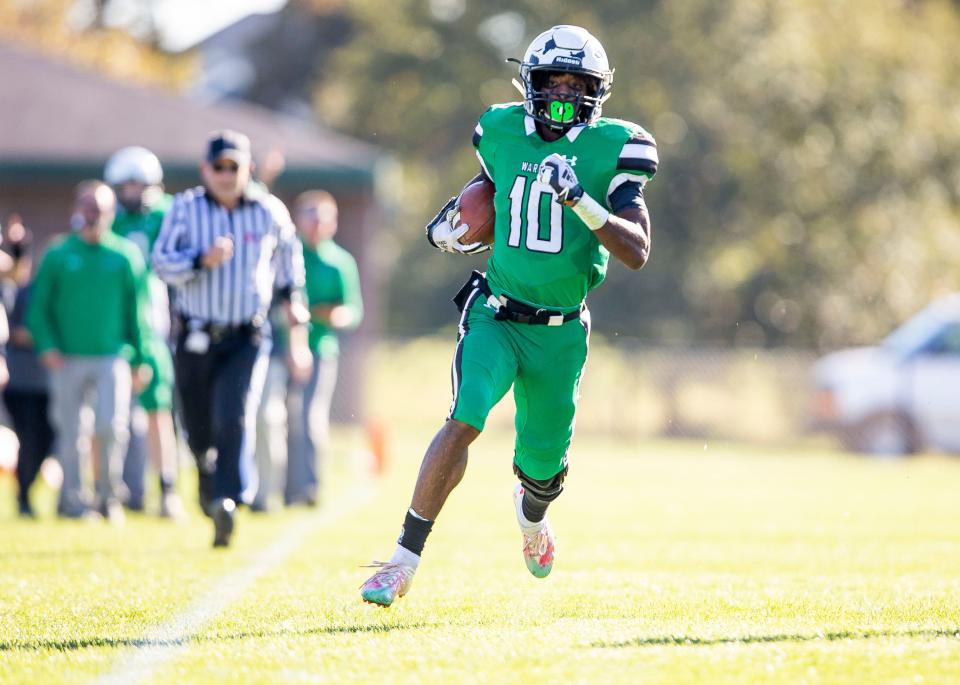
[
  {"x": 557, "y": 173},
  {"x": 445, "y": 230}
]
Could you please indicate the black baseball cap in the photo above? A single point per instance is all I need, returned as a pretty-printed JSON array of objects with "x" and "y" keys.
[{"x": 230, "y": 144}]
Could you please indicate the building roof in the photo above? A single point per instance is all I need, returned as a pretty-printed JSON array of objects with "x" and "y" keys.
[{"x": 58, "y": 116}]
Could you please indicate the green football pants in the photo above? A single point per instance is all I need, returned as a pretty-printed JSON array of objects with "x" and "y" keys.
[
  {"x": 542, "y": 363},
  {"x": 158, "y": 394}
]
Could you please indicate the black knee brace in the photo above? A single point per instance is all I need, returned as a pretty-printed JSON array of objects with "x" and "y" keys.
[{"x": 543, "y": 490}]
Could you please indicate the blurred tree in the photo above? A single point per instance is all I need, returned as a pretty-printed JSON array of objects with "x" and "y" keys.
[
  {"x": 289, "y": 57},
  {"x": 808, "y": 187},
  {"x": 274, "y": 60},
  {"x": 808, "y": 191},
  {"x": 414, "y": 80},
  {"x": 816, "y": 177},
  {"x": 83, "y": 32}
]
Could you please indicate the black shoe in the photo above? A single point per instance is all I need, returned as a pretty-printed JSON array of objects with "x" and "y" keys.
[
  {"x": 24, "y": 510},
  {"x": 205, "y": 481},
  {"x": 222, "y": 512},
  {"x": 307, "y": 499}
]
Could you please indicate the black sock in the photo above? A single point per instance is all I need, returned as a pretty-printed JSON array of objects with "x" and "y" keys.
[
  {"x": 533, "y": 509},
  {"x": 166, "y": 485},
  {"x": 414, "y": 534}
]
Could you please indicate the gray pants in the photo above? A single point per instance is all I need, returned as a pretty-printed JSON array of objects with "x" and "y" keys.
[
  {"x": 271, "y": 430},
  {"x": 135, "y": 459},
  {"x": 108, "y": 378},
  {"x": 308, "y": 425}
]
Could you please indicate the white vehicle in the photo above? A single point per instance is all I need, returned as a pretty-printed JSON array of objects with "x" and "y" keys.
[{"x": 901, "y": 396}]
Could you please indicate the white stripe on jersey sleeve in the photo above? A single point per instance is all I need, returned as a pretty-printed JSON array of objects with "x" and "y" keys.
[
  {"x": 477, "y": 135},
  {"x": 639, "y": 150},
  {"x": 486, "y": 172}
]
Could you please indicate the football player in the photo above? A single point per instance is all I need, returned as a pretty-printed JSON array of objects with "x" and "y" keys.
[
  {"x": 569, "y": 192},
  {"x": 136, "y": 177}
]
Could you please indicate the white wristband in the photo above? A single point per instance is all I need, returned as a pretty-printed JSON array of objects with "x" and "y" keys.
[{"x": 591, "y": 212}]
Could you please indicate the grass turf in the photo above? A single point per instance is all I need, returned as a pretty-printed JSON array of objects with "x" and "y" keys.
[{"x": 678, "y": 562}]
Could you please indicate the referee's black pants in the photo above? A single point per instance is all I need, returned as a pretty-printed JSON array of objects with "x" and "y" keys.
[
  {"x": 31, "y": 424},
  {"x": 219, "y": 393}
]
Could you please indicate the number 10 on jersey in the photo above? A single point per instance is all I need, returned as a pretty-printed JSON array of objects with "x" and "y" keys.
[{"x": 530, "y": 213}]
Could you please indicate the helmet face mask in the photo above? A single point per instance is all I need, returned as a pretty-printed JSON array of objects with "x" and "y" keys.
[
  {"x": 564, "y": 49},
  {"x": 561, "y": 111}
]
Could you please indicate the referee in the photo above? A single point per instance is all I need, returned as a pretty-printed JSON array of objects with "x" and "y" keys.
[{"x": 226, "y": 247}]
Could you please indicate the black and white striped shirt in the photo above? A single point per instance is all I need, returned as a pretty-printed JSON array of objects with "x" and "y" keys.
[{"x": 266, "y": 255}]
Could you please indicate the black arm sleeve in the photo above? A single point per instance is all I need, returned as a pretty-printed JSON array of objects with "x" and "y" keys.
[{"x": 629, "y": 194}]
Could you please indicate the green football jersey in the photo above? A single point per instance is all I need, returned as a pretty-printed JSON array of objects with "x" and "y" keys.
[
  {"x": 143, "y": 228},
  {"x": 543, "y": 254},
  {"x": 331, "y": 279},
  {"x": 89, "y": 299}
]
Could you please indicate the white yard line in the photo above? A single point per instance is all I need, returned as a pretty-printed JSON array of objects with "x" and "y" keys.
[{"x": 165, "y": 642}]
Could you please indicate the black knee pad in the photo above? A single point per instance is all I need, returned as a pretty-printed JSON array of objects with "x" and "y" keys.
[{"x": 544, "y": 490}]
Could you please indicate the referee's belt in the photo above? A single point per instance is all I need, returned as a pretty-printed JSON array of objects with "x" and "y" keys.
[
  {"x": 508, "y": 309},
  {"x": 220, "y": 331}
]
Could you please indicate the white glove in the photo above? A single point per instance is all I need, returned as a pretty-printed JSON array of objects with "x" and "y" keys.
[
  {"x": 445, "y": 230},
  {"x": 557, "y": 173}
]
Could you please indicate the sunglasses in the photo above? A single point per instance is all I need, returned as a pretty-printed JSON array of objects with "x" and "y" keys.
[
  {"x": 320, "y": 214},
  {"x": 220, "y": 167}
]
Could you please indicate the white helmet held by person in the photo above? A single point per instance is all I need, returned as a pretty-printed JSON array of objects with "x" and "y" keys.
[{"x": 133, "y": 164}]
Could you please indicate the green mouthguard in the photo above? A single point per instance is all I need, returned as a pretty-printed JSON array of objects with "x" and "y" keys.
[{"x": 561, "y": 111}]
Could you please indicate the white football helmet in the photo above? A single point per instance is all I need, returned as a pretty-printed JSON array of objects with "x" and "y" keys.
[
  {"x": 569, "y": 49},
  {"x": 133, "y": 164}
]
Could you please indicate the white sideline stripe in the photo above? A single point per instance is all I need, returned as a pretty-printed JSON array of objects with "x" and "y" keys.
[{"x": 167, "y": 640}]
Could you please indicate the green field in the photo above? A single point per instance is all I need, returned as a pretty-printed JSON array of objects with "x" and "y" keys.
[{"x": 678, "y": 562}]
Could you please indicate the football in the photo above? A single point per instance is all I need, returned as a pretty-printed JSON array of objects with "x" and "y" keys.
[{"x": 476, "y": 210}]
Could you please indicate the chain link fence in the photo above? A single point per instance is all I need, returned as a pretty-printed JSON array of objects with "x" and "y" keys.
[{"x": 628, "y": 390}]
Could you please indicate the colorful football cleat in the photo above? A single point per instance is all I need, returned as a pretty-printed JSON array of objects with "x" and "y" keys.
[
  {"x": 539, "y": 545},
  {"x": 387, "y": 584}
]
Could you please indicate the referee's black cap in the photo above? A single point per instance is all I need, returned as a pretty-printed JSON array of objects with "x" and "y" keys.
[{"x": 230, "y": 144}]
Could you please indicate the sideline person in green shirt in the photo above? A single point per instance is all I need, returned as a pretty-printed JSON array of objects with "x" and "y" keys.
[
  {"x": 87, "y": 308},
  {"x": 333, "y": 295},
  {"x": 136, "y": 177}
]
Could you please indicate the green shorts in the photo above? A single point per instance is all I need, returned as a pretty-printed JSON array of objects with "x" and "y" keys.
[
  {"x": 542, "y": 363},
  {"x": 158, "y": 395}
]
